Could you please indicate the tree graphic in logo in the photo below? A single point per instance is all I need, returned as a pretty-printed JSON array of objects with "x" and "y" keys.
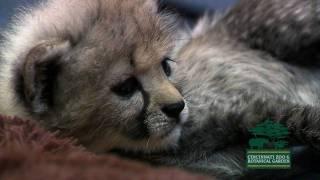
[
  {"x": 268, "y": 148},
  {"x": 269, "y": 134}
]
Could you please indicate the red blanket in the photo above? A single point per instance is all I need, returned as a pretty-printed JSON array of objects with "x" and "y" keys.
[{"x": 30, "y": 153}]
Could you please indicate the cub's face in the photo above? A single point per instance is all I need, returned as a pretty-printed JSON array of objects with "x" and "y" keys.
[{"x": 112, "y": 87}]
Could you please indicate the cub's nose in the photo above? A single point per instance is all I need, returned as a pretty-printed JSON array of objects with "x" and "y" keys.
[{"x": 173, "y": 110}]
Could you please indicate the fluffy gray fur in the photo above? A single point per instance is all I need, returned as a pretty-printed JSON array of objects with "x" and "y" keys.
[
  {"x": 233, "y": 72},
  {"x": 240, "y": 69},
  {"x": 288, "y": 30}
]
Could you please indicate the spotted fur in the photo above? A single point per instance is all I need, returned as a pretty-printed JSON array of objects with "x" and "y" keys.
[
  {"x": 235, "y": 72},
  {"x": 288, "y": 30},
  {"x": 61, "y": 62}
]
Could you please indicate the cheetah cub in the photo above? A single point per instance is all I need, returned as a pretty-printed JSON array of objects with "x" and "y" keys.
[{"x": 96, "y": 70}]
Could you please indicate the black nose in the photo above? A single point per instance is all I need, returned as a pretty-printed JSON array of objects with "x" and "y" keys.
[{"x": 173, "y": 110}]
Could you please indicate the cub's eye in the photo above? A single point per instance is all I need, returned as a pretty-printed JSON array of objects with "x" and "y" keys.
[
  {"x": 126, "y": 88},
  {"x": 166, "y": 66}
]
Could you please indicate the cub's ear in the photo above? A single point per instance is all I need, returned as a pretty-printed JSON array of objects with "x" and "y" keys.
[
  {"x": 38, "y": 73},
  {"x": 153, "y": 5}
]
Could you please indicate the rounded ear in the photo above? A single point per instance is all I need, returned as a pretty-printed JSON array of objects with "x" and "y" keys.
[
  {"x": 153, "y": 5},
  {"x": 39, "y": 72}
]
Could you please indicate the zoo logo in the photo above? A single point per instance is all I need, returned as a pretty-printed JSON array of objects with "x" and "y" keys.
[{"x": 268, "y": 148}]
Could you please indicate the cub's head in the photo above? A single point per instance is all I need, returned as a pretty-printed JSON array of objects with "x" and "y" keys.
[{"x": 98, "y": 70}]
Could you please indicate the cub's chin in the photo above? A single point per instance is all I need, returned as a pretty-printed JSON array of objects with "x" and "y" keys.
[
  {"x": 169, "y": 138},
  {"x": 162, "y": 139},
  {"x": 155, "y": 143},
  {"x": 148, "y": 145}
]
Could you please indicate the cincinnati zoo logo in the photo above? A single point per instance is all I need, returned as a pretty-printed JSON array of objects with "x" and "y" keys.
[{"x": 268, "y": 147}]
